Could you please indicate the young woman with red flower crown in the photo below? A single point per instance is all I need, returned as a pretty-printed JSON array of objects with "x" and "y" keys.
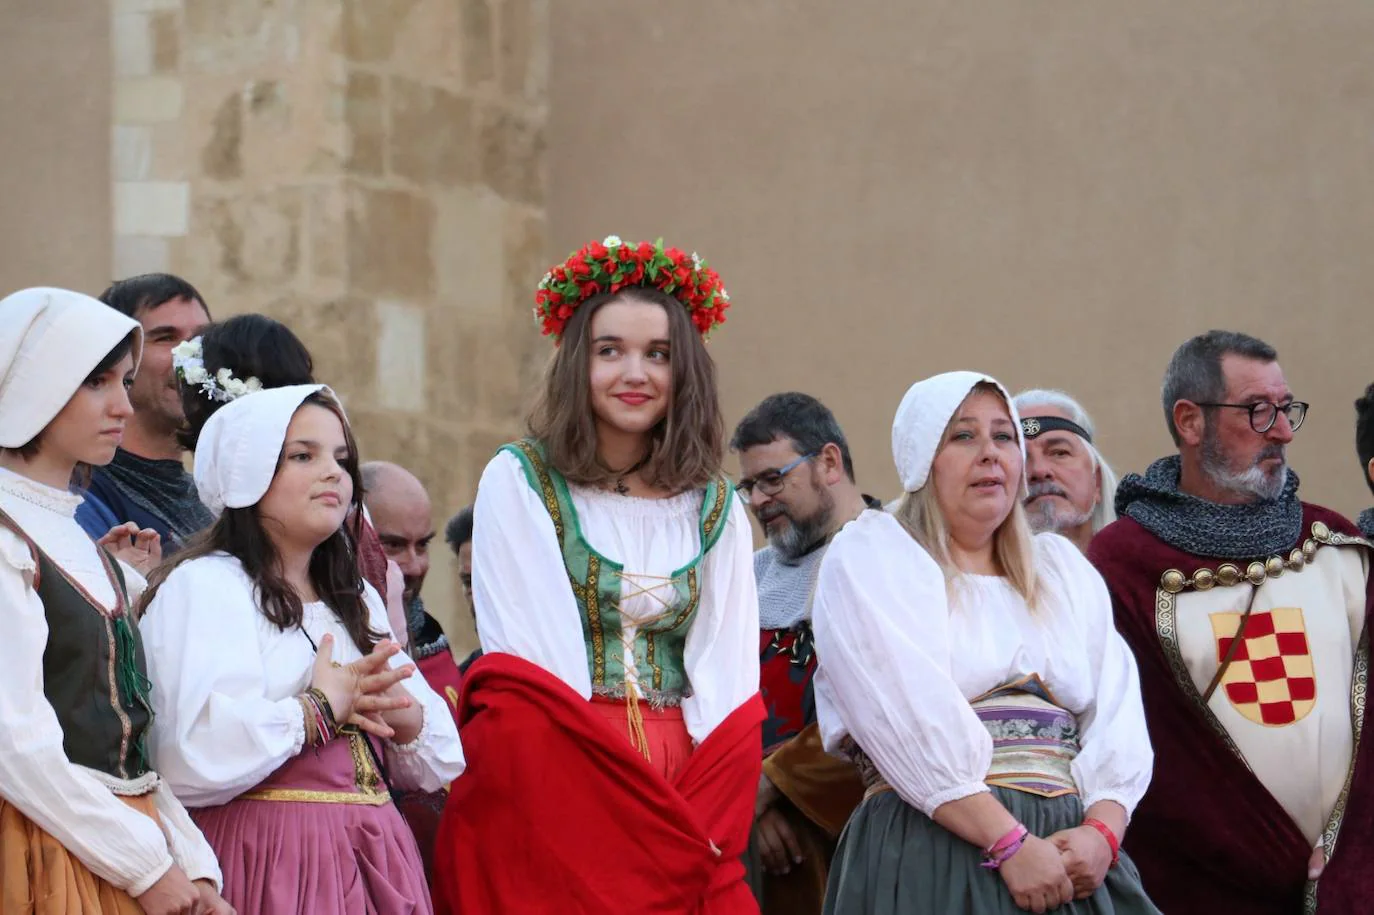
[{"x": 613, "y": 721}]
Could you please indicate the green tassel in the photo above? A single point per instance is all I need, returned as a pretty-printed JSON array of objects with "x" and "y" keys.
[{"x": 134, "y": 686}]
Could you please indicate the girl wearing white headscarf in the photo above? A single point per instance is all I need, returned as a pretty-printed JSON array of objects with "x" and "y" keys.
[
  {"x": 86, "y": 824},
  {"x": 973, "y": 672},
  {"x": 284, "y": 756}
]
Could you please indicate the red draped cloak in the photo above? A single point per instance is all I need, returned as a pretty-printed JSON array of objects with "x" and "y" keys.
[{"x": 557, "y": 813}]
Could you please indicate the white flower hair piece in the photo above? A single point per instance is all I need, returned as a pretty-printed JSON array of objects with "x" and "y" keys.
[{"x": 188, "y": 361}]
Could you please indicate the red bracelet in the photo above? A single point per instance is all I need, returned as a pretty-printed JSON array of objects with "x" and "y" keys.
[{"x": 1106, "y": 834}]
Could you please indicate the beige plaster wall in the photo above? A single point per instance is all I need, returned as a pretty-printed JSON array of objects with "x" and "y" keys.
[
  {"x": 54, "y": 145},
  {"x": 1058, "y": 193},
  {"x": 370, "y": 172}
]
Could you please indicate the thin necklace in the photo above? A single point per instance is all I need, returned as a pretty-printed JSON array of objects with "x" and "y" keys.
[{"x": 620, "y": 486}]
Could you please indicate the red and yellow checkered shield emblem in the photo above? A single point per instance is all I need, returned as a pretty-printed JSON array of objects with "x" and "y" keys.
[{"x": 1271, "y": 680}]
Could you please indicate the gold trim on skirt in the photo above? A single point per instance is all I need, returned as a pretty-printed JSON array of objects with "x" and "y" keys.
[{"x": 305, "y": 796}]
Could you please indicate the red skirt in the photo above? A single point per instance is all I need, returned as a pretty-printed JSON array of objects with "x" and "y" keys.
[
  {"x": 560, "y": 813},
  {"x": 667, "y": 745}
]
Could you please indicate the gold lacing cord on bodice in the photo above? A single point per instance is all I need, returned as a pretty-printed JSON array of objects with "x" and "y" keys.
[
  {"x": 651, "y": 590},
  {"x": 633, "y": 716}
]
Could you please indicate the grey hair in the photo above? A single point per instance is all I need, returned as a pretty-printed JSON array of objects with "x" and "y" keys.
[
  {"x": 1105, "y": 512},
  {"x": 1195, "y": 374}
]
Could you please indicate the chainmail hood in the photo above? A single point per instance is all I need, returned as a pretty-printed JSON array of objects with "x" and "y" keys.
[
  {"x": 1366, "y": 522},
  {"x": 1205, "y": 528}
]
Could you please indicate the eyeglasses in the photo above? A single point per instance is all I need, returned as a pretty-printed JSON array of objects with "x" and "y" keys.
[
  {"x": 1264, "y": 413},
  {"x": 770, "y": 482}
]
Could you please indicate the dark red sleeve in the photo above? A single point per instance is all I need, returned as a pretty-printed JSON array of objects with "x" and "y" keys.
[{"x": 371, "y": 558}]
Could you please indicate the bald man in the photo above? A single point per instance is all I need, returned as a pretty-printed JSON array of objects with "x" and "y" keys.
[{"x": 399, "y": 509}]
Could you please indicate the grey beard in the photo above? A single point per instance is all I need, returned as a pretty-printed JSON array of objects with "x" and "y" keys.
[
  {"x": 1044, "y": 519},
  {"x": 794, "y": 540},
  {"x": 1252, "y": 481}
]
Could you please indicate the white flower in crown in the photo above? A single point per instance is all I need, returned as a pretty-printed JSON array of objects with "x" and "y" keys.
[
  {"x": 228, "y": 385},
  {"x": 696, "y": 262},
  {"x": 544, "y": 283},
  {"x": 188, "y": 363},
  {"x": 613, "y": 241},
  {"x": 232, "y": 388},
  {"x": 187, "y": 350},
  {"x": 193, "y": 372}
]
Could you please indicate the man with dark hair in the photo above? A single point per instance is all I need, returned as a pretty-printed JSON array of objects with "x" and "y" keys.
[
  {"x": 798, "y": 479},
  {"x": 1247, "y": 610},
  {"x": 1364, "y": 446},
  {"x": 146, "y": 483},
  {"x": 458, "y": 536}
]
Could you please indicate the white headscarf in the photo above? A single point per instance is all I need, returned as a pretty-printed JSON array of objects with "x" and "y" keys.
[
  {"x": 50, "y": 340},
  {"x": 924, "y": 414},
  {"x": 236, "y": 457}
]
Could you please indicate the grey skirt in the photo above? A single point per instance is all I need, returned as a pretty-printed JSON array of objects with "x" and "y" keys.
[{"x": 894, "y": 860}]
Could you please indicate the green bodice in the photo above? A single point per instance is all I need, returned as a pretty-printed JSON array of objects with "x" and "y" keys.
[{"x": 597, "y": 582}]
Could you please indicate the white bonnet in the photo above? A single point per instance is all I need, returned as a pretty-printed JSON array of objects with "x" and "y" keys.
[
  {"x": 236, "y": 457},
  {"x": 924, "y": 414},
  {"x": 50, "y": 340}
]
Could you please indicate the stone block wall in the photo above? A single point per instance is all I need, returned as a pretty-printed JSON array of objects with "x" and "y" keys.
[{"x": 374, "y": 174}]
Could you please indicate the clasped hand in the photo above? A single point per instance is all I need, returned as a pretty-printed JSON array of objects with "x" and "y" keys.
[
  {"x": 1046, "y": 873},
  {"x": 367, "y": 693}
]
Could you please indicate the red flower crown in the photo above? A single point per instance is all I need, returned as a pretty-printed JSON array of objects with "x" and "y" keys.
[{"x": 612, "y": 265}]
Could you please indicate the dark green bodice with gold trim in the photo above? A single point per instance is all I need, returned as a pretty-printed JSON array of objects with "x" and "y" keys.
[{"x": 597, "y": 581}]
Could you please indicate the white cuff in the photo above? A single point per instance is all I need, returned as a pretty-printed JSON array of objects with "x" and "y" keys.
[
  {"x": 145, "y": 883},
  {"x": 1115, "y": 796},
  {"x": 949, "y": 795}
]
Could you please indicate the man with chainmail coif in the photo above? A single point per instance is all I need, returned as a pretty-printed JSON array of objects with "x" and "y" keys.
[
  {"x": 798, "y": 478},
  {"x": 1247, "y": 611}
]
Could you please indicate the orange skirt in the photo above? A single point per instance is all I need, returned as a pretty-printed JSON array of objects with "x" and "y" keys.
[
  {"x": 38, "y": 876},
  {"x": 669, "y": 746}
]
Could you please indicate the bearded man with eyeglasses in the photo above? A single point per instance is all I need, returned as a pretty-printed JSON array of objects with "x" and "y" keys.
[
  {"x": 798, "y": 480},
  {"x": 1247, "y": 612}
]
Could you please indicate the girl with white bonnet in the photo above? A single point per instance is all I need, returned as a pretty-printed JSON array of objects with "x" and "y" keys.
[
  {"x": 86, "y": 824},
  {"x": 973, "y": 671},
  {"x": 284, "y": 756}
]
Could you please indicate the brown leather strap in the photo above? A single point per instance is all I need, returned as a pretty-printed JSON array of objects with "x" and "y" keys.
[{"x": 1230, "y": 652}]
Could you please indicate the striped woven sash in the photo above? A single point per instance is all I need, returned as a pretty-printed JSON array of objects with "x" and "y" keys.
[{"x": 1034, "y": 739}]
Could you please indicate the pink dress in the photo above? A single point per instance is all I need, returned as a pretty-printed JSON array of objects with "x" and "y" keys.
[{"x": 319, "y": 835}]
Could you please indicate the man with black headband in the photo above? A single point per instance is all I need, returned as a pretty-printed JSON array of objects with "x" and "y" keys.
[
  {"x": 1247, "y": 612},
  {"x": 1071, "y": 486}
]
